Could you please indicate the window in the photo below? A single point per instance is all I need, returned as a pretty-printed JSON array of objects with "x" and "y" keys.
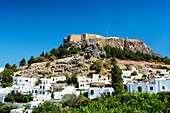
[
  {"x": 40, "y": 87},
  {"x": 92, "y": 92},
  {"x": 163, "y": 87},
  {"x": 43, "y": 87},
  {"x": 35, "y": 91},
  {"x": 26, "y": 80},
  {"x": 53, "y": 79},
  {"x": 139, "y": 89},
  {"x": 151, "y": 88}
]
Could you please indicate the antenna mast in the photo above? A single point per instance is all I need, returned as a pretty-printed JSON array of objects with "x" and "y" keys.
[{"x": 106, "y": 32}]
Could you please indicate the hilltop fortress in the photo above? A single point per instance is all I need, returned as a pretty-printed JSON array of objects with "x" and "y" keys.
[{"x": 122, "y": 43}]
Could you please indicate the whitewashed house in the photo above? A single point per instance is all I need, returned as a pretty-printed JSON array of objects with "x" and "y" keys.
[
  {"x": 66, "y": 90},
  {"x": 22, "y": 81},
  {"x": 96, "y": 79},
  {"x": 154, "y": 86},
  {"x": 46, "y": 80},
  {"x": 55, "y": 79},
  {"x": 94, "y": 92},
  {"x": 83, "y": 84},
  {"x": 81, "y": 78}
]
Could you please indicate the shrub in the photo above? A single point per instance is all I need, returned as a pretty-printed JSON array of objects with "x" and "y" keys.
[
  {"x": 87, "y": 56},
  {"x": 39, "y": 59},
  {"x": 85, "y": 94},
  {"x": 61, "y": 81},
  {"x": 48, "y": 64},
  {"x": 52, "y": 58},
  {"x": 133, "y": 73}
]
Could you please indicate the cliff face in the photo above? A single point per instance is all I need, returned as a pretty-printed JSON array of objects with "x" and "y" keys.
[{"x": 125, "y": 44}]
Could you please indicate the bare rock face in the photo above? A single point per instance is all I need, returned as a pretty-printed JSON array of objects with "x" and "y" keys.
[{"x": 122, "y": 43}]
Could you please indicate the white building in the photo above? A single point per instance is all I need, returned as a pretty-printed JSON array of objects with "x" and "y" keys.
[
  {"x": 96, "y": 79},
  {"x": 66, "y": 90},
  {"x": 83, "y": 84},
  {"x": 22, "y": 81},
  {"x": 94, "y": 92},
  {"x": 55, "y": 79},
  {"x": 155, "y": 86}
]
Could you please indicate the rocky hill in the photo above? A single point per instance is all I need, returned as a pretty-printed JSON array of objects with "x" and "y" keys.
[
  {"x": 122, "y": 43},
  {"x": 69, "y": 60}
]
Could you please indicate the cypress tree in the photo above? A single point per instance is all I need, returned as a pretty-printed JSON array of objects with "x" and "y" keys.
[
  {"x": 22, "y": 62},
  {"x": 117, "y": 80}
]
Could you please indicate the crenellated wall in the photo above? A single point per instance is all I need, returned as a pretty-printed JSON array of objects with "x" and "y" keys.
[{"x": 123, "y": 43}]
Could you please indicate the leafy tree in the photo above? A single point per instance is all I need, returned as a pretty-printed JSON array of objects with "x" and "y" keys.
[
  {"x": 70, "y": 100},
  {"x": 39, "y": 59},
  {"x": 14, "y": 67},
  {"x": 5, "y": 108},
  {"x": 52, "y": 58},
  {"x": 74, "y": 78},
  {"x": 97, "y": 66},
  {"x": 22, "y": 62},
  {"x": 6, "y": 77},
  {"x": 134, "y": 73},
  {"x": 18, "y": 97},
  {"x": 117, "y": 80},
  {"x": 50, "y": 107}
]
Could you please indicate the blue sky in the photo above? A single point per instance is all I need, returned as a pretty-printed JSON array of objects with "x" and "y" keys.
[{"x": 28, "y": 27}]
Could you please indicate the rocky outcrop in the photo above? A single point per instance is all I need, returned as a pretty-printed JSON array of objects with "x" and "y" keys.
[{"x": 125, "y": 44}]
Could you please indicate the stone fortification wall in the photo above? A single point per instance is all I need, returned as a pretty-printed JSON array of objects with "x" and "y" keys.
[{"x": 123, "y": 43}]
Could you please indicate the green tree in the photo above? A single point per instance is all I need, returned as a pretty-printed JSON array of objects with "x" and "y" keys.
[
  {"x": 14, "y": 67},
  {"x": 22, "y": 62},
  {"x": 117, "y": 80},
  {"x": 97, "y": 66},
  {"x": 6, "y": 77},
  {"x": 42, "y": 54},
  {"x": 133, "y": 73},
  {"x": 74, "y": 78},
  {"x": 7, "y": 66},
  {"x": 32, "y": 60},
  {"x": 52, "y": 58}
]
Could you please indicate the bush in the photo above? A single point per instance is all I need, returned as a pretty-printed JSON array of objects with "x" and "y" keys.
[
  {"x": 39, "y": 59},
  {"x": 97, "y": 66},
  {"x": 6, "y": 84},
  {"x": 48, "y": 64},
  {"x": 70, "y": 100},
  {"x": 18, "y": 97},
  {"x": 85, "y": 94},
  {"x": 61, "y": 81},
  {"x": 125, "y": 103},
  {"x": 134, "y": 73},
  {"x": 52, "y": 58},
  {"x": 87, "y": 56}
]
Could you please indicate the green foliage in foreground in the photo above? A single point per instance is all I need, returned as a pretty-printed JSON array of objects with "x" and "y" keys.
[
  {"x": 126, "y": 103},
  {"x": 67, "y": 101},
  {"x": 18, "y": 97},
  {"x": 5, "y": 108}
]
